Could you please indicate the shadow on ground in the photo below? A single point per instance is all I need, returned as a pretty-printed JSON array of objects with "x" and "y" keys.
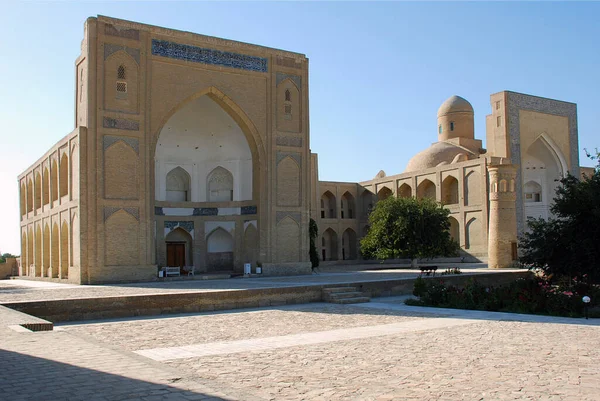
[{"x": 25, "y": 377}]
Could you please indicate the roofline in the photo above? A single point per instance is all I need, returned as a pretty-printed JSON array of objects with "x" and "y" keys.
[
  {"x": 538, "y": 97},
  {"x": 192, "y": 35}
]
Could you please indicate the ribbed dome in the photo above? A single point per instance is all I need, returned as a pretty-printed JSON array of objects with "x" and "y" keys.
[
  {"x": 436, "y": 154},
  {"x": 455, "y": 104}
]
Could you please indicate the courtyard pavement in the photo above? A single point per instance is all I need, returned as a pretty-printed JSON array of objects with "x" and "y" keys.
[
  {"x": 30, "y": 290},
  {"x": 382, "y": 350}
]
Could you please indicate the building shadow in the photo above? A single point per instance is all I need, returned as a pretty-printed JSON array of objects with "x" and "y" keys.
[{"x": 25, "y": 377}]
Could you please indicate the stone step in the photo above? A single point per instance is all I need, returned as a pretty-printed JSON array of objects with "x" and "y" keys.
[
  {"x": 330, "y": 290},
  {"x": 355, "y": 300},
  {"x": 349, "y": 294}
]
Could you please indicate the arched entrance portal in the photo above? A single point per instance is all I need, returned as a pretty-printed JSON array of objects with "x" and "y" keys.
[{"x": 207, "y": 160}]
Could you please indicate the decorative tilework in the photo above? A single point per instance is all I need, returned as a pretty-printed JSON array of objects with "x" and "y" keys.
[
  {"x": 280, "y": 76},
  {"x": 133, "y": 142},
  {"x": 158, "y": 211},
  {"x": 121, "y": 32},
  {"x": 110, "y": 210},
  {"x": 294, "y": 155},
  {"x": 186, "y": 225},
  {"x": 281, "y": 215},
  {"x": 120, "y": 123},
  {"x": 206, "y": 211},
  {"x": 289, "y": 141},
  {"x": 519, "y": 101},
  {"x": 249, "y": 210},
  {"x": 110, "y": 48},
  {"x": 208, "y": 56}
]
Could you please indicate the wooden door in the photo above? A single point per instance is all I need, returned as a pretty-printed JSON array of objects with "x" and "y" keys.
[{"x": 175, "y": 254}]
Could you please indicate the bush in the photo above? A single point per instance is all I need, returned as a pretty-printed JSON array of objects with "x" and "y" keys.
[{"x": 535, "y": 295}]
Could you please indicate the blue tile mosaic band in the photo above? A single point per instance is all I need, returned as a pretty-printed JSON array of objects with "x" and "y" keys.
[
  {"x": 248, "y": 210},
  {"x": 206, "y": 211},
  {"x": 208, "y": 56}
]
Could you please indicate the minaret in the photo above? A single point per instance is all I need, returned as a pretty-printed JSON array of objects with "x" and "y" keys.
[{"x": 502, "y": 238}]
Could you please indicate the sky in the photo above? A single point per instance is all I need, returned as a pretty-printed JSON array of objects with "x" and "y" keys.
[{"x": 378, "y": 71}]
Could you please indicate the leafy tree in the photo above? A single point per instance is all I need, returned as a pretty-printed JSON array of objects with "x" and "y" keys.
[
  {"x": 408, "y": 227},
  {"x": 568, "y": 243},
  {"x": 313, "y": 232}
]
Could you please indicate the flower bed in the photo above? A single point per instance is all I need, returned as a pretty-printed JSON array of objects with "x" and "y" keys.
[{"x": 535, "y": 295}]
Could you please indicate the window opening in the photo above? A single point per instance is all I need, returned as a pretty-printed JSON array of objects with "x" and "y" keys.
[{"x": 121, "y": 72}]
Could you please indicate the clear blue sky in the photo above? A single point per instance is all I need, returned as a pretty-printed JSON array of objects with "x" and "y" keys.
[{"x": 378, "y": 71}]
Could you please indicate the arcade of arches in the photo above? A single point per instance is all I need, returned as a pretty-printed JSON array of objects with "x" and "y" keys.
[{"x": 204, "y": 164}]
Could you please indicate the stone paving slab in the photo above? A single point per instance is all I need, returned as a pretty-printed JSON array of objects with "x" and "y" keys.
[
  {"x": 293, "y": 340},
  {"x": 180, "y": 330}
]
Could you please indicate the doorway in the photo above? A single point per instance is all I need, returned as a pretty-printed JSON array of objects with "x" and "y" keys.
[{"x": 176, "y": 254}]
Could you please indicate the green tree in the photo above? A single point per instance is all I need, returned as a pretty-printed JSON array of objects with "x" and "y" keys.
[
  {"x": 408, "y": 228},
  {"x": 568, "y": 244},
  {"x": 313, "y": 232}
]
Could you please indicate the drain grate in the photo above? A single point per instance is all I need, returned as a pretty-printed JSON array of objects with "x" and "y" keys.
[{"x": 38, "y": 326}]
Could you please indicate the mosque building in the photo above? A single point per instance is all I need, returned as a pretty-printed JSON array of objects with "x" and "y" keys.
[{"x": 193, "y": 151}]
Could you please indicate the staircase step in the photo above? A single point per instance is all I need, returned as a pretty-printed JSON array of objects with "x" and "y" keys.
[
  {"x": 349, "y": 294},
  {"x": 330, "y": 290},
  {"x": 355, "y": 300}
]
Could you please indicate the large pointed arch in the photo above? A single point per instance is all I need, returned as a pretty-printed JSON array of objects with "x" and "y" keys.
[
  {"x": 230, "y": 107},
  {"x": 554, "y": 150}
]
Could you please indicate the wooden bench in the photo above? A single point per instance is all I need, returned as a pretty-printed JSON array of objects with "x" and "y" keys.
[
  {"x": 428, "y": 270},
  {"x": 171, "y": 271}
]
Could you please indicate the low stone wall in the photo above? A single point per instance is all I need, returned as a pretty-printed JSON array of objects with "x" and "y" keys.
[
  {"x": 9, "y": 268},
  {"x": 286, "y": 269},
  {"x": 185, "y": 302}
]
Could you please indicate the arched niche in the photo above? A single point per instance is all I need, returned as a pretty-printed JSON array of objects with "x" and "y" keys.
[
  {"x": 64, "y": 250},
  {"x": 349, "y": 245},
  {"x": 55, "y": 255},
  {"x": 45, "y": 186},
  {"x": 29, "y": 195},
  {"x": 202, "y": 133},
  {"x": 220, "y": 185},
  {"x": 474, "y": 236},
  {"x": 472, "y": 188},
  {"x": 121, "y": 82},
  {"x": 178, "y": 185},
  {"x": 75, "y": 172},
  {"x": 426, "y": 189},
  {"x": 38, "y": 191},
  {"x": 405, "y": 191},
  {"x": 532, "y": 191},
  {"x": 384, "y": 193},
  {"x": 288, "y": 240},
  {"x": 38, "y": 251},
  {"x": 450, "y": 191},
  {"x": 54, "y": 180},
  {"x": 329, "y": 245},
  {"x": 22, "y": 194},
  {"x": 288, "y": 106},
  {"x": 64, "y": 175},
  {"x": 367, "y": 199},
  {"x": 348, "y": 207},
  {"x": 328, "y": 206},
  {"x": 220, "y": 248},
  {"x": 251, "y": 245},
  {"x": 454, "y": 229},
  {"x": 179, "y": 246}
]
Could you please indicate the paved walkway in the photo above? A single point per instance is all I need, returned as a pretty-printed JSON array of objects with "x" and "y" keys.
[{"x": 382, "y": 350}]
